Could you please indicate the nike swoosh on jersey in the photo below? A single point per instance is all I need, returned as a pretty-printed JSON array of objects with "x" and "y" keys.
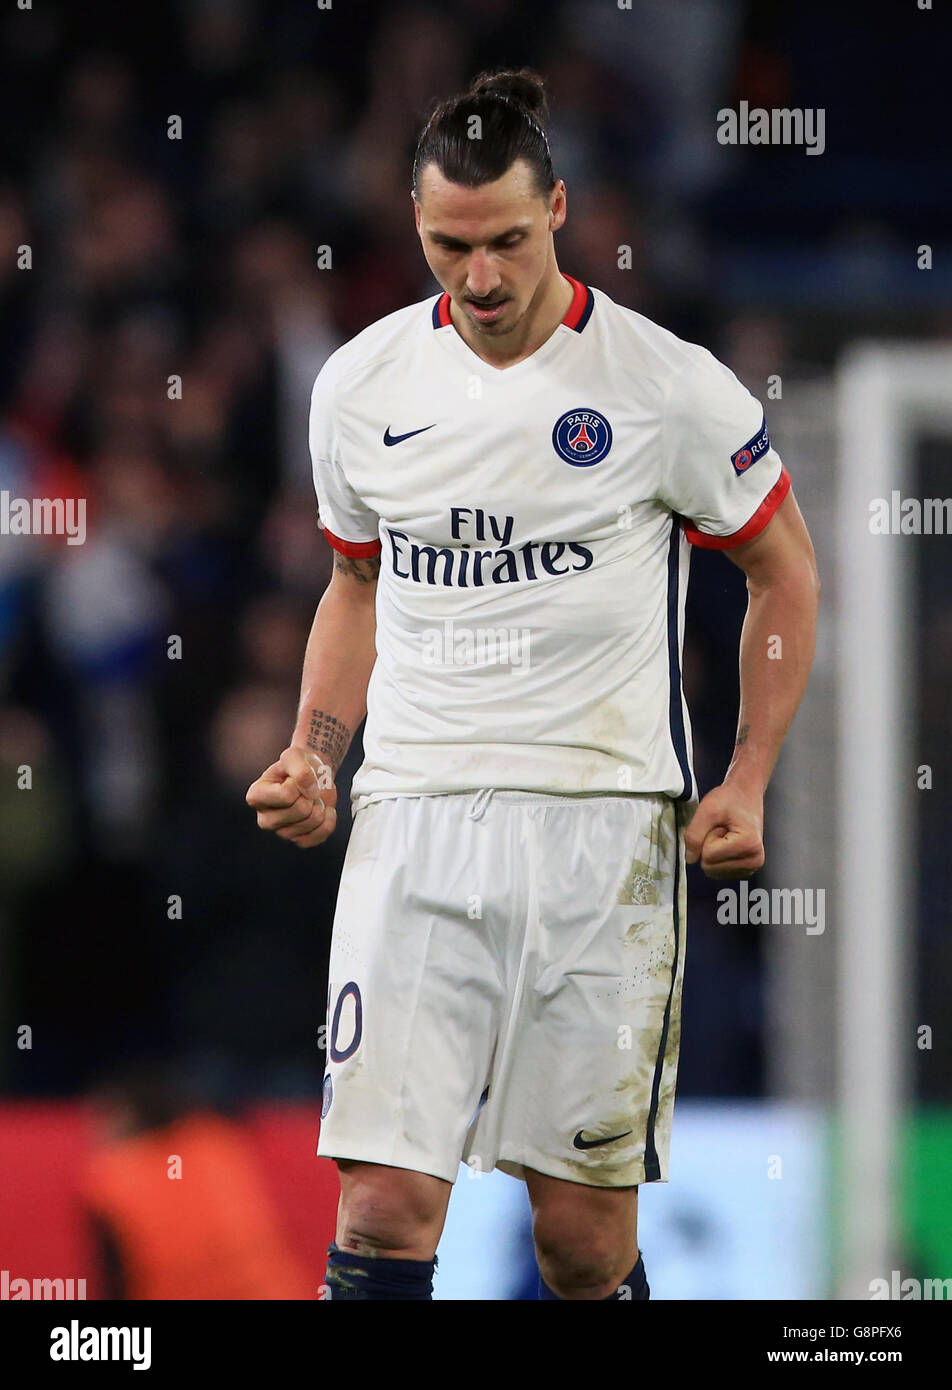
[
  {"x": 390, "y": 439},
  {"x": 581, "y": 1143}
]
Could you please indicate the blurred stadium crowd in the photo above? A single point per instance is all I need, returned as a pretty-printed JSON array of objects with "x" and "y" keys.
[{"x": 196, "y": 257}]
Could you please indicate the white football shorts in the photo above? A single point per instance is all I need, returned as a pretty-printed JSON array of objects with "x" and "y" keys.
[{"x": 505, "y": 986}]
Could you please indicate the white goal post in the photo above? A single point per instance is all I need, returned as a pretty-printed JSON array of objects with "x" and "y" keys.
[{"x": 886, "y": 393}]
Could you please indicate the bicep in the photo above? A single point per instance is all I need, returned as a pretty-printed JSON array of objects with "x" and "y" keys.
[{"x": 782, "y": 551}]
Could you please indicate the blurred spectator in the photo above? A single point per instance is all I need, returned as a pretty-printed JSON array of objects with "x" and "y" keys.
[
  {"x": 249, "y": 978},
  {"x": 176, "y": 1205}
]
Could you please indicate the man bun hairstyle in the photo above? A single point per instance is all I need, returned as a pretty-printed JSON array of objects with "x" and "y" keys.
[{"x": 510, "y": 105}]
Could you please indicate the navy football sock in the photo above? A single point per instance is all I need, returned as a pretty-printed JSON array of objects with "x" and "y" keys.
[
  {"x": 634, "y": 1288},
  {"x": 366, "y": 1276}
]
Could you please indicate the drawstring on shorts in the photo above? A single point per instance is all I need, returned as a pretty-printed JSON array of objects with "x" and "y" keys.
[{"x": 480, "y": 802}]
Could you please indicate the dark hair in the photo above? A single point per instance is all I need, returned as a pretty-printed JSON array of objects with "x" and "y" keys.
[{"x": 511, "y": 106}]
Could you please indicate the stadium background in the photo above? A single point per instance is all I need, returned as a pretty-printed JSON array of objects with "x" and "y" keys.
[{"x": 198, "y": 257}]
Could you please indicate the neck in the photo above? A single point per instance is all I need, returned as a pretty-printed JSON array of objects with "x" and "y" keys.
[{"x": 546, "y": 310}]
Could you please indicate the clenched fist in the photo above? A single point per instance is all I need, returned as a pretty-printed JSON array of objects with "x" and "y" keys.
[
  {"x": 726, "y": 833},
  {"x": 296, "y": 798}
]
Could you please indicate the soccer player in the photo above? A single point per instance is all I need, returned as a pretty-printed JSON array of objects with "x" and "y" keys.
[{"x": 512, "y": 475}]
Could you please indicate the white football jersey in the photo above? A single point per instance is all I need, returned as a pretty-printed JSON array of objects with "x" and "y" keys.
[{"x": 534, "y": 526}]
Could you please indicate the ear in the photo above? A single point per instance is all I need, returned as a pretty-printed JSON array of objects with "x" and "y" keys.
[{"x": 557, "y": 207}]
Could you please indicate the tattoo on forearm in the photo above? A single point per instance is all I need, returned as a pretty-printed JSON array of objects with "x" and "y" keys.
[
  {"x": 364, "y": 571},
  {"x": 742, "y": 733},
  {"x": 329, "y": 737}
]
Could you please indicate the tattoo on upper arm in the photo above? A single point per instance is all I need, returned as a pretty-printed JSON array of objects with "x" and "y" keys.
[
  {"x": 329, "y": 737},
  {"x": 364, "y": 571},
  {"x": 742, "y": 733}
]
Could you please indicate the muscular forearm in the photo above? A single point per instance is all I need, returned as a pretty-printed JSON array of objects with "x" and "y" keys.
[
  {"x": 776, "y": 652},
  {"x": 337, "y": 664}
]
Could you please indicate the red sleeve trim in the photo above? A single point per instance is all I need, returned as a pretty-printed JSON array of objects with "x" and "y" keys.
[
  {"x": 357, "y": 550},
  {"x": 753, "y": 527}
]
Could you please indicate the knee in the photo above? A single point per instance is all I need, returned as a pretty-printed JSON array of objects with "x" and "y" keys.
[
  {"x": 583, "y": 1262},
  {"x": 390, "y": 1211}
]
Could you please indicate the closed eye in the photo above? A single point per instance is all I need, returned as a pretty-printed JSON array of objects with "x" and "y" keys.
[{"x": 502, "y": 243}]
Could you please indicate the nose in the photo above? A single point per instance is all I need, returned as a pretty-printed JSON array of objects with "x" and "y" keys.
[{"x": 482, "y": 279}]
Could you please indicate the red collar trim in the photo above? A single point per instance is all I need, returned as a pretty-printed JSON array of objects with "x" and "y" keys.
[{"x": 576, "y": 317}]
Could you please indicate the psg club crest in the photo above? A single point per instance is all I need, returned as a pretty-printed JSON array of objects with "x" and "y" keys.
[
  {"x": 582, "y": 437},
  {"x": 328, "y": 1095}
]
